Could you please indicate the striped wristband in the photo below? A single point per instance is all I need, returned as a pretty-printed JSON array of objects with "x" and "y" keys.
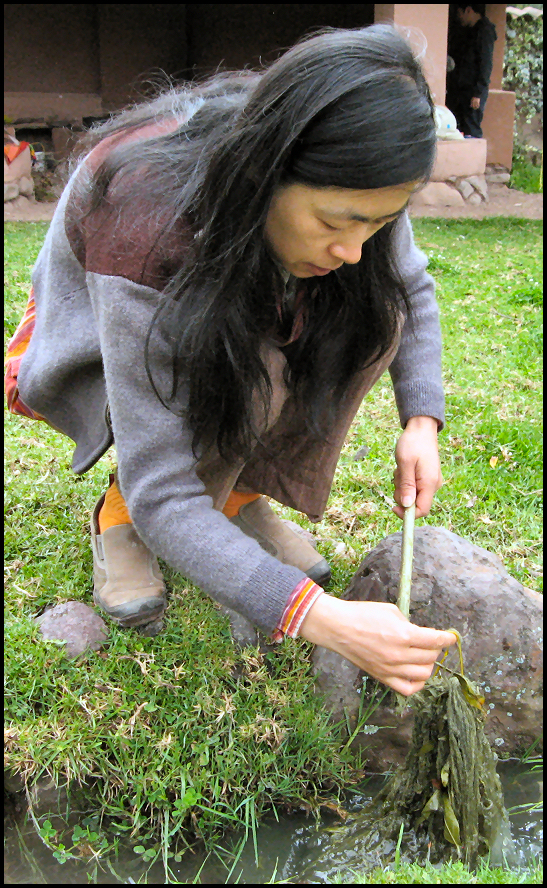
[{"x": 298, "y": 605}]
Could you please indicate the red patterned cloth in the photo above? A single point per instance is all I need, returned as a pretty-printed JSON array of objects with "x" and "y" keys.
[
  {"x": 17, "y": 347},
  {"x": 13, "y": 151}
]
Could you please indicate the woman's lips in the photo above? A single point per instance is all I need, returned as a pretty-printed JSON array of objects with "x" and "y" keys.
[{"x": 317, "y": 270}]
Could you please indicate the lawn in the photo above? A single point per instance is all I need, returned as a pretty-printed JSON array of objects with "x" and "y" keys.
[{"x": 181, "y": 734}]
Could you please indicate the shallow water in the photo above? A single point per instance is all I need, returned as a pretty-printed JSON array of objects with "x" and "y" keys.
[{"x": 295, "y": 848}]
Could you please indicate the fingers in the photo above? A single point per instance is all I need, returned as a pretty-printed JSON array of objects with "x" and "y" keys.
[
  {"x": 422, "y": 492},
  {"x": 431, "y": 639},
  {"x": 423, "y": 505},
  {"x": 378, "y": 638},
  {"x": 424, "y": 499},
  {"x": 410, "y": 678},
  {"x": 407, "y": 688},
  {"x": 411, "y": 667}
]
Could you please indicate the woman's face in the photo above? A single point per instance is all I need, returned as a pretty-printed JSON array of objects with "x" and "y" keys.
[{"x": 312, "y": 231}]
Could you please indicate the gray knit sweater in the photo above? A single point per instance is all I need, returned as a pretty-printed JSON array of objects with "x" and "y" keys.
[{"x": 96, "y": 292}]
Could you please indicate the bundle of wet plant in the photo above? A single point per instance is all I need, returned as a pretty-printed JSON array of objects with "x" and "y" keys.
[
  {"x": 445, "y": 802},
  {"x": 447, "y": 793}
]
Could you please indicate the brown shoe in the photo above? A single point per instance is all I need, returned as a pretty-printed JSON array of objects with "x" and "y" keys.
[
  {"x": 127, "y": 581},
  {"x": 258, "y": 520}
]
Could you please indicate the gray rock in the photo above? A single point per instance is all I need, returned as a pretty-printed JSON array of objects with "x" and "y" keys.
[
  {"x": 11, "y": 191},
  {"x": 150, "y": 630},
  {"x": 26, "y": 186},
  {"x": 62, "y": 804},
  {"x": 498, "y": 178},
  {"x": 475, "y": 199},
  {"x": 243, "y": 631},
  {"x": 479, "y": 184},
  {"x": 496, "y": 174},
  {"x": 465, "y": 188},
  {"x": 13, "y": 782},
  {"x": 46, "y": 797},
  {"x": 455, "y": 584},
  {"x": 78, "y": 625}
]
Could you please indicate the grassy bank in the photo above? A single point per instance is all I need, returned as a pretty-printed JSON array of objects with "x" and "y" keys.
[
  {"x": 180, "y": 735},
  {"x": 526, "y": 176}
]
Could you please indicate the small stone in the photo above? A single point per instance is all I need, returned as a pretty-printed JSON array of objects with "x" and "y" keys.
[
  {"x": 26, "y": 186},
  {"x": 496, "y": 174},
  {"x": 437, "y": 194},
  {"x": 11, "y": 191},
  {"x": 474, "y": 199},
  {"x": 21, "y": 202},
  {"x": 362, "y": 452},
  {"x": 464, "y": 187},
  {"x": 244, "y": 634},
  {"x": 479, "y": 185},
  {"x": 73, "y": 622},
  {"x": 150, "y": 630},
  {"x": 498, "y": 178}
]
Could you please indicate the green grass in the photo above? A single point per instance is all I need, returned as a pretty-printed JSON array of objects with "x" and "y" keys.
[
  {"x": 451, "y": 874},
  {"x": 180, "y": 735},
  {"x": 525, "y": 176}
]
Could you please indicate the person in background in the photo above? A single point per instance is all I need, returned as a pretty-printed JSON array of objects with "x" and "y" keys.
[{"x": 472, "y": 48}]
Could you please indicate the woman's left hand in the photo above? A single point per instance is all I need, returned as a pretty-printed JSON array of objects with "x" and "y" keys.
[{"x": 418, "y": 474}]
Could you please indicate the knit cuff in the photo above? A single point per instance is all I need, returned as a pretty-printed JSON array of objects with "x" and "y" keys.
[{"x": 300, "y": 600}]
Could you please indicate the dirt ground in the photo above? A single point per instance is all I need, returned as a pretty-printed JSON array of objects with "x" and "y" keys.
[{"x": 502, "y": 201}]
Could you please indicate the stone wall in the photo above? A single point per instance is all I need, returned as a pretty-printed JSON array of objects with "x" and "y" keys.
[{"x": 460, "y": 176}]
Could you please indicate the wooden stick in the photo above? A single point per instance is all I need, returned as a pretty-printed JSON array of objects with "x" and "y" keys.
[{"x": 405, "y": 580}]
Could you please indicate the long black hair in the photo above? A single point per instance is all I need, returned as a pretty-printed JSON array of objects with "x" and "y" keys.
[{"x": 342, "y": 108}]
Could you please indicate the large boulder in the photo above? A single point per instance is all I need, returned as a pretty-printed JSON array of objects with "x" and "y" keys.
[{"x": 455, "y": 584}]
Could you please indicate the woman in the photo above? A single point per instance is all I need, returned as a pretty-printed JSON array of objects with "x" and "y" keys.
[{"x": 228, "y": 272}]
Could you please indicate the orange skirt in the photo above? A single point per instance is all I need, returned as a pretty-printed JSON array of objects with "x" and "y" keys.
[{"x": 17, "y": 347}]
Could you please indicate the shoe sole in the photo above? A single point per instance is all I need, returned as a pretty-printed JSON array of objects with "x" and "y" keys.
[
  {"x": 320, "y": 573},
  {"x": 147, "y": 613}
]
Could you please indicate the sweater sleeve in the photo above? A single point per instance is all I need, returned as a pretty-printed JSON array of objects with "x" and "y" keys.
[{"x": 416, "y": 369}]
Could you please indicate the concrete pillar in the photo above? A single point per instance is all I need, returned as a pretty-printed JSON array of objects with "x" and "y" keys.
[
  {"x": 496, "y": 12},
  {"x": 429, "y": 20},
  {"x": 499, "y": 114}
]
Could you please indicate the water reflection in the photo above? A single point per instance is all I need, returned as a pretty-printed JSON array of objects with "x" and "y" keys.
[{"x": 295, "y": 848}]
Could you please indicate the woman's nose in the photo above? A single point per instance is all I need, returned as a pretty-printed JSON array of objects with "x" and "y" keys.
[
  {"x": 350, "y": 253},
  {"x": 350, "y": 250}
]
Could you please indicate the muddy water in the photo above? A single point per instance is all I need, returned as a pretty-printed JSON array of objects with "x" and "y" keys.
[{"x": 293, "y": 848}]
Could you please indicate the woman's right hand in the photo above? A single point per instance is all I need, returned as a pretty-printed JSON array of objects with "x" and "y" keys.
[{"x": 376, "y": 637}]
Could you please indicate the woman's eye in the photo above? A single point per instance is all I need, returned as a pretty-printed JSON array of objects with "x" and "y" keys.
[{"x": 330, "y": 227}]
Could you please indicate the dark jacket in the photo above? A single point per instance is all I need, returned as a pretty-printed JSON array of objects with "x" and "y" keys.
[{"x": 473, "y": 56}]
